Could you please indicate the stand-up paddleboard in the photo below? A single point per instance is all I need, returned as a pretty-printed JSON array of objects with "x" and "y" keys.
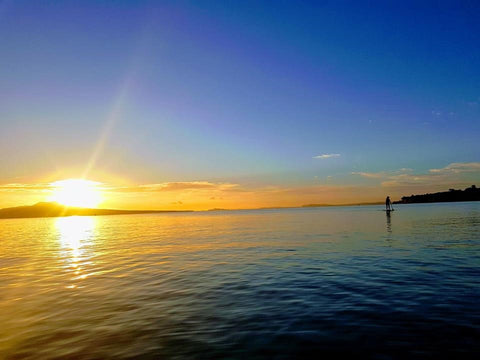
[{"x": 388, "y": 210}]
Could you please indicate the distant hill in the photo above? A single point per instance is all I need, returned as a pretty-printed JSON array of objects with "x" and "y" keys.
[
  {"x": 53, "y": 209},
  {"x": 354, "y": 204},
  {"x": 301, "y": 206},
  {"x": 469, "y": 194}
]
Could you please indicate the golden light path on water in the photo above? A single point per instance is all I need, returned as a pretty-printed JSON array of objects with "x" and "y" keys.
[{"x": 76, "y": 236}]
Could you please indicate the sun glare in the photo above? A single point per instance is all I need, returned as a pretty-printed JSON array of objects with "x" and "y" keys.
[{"x": 76, "y": 192}]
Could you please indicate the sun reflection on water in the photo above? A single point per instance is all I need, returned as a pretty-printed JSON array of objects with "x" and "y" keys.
[{"x": 75, "y": 236}]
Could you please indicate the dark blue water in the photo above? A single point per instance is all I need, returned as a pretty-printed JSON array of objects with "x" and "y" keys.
[{"x": 288, "y": 283}]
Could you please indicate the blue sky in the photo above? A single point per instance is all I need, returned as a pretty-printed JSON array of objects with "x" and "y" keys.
[{"x": 238, "y": 91}]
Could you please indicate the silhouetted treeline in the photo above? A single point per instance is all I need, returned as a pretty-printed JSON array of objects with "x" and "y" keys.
[{"x": 469, "y": 194}]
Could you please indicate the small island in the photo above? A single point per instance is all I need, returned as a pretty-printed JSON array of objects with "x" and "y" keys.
[{"x": 469, "y": 194}]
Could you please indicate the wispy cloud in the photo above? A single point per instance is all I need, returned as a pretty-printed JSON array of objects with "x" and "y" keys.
[
  {"x": 159, "y": 187},
  {"x": 454, "y": 173},
  {"x": 326, "y": 156},
  {"x": 175, "y": 186},
  {"x": 457, "y": 168},
  {"x": 382, "y": 174},
  {"x": 25, "y": 187},
  {"x": 378, "y": 175}
]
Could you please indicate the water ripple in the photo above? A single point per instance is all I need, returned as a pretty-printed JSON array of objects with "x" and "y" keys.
[{"x": 247, "y": 284}]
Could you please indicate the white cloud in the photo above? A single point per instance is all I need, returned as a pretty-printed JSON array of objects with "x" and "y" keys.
[{"x": 326, "y": 156}]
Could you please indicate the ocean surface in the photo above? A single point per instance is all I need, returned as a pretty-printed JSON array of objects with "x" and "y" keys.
[{"x": 262, "y": 284}]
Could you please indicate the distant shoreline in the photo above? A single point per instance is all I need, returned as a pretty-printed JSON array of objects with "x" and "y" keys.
[{"x": 52, "y": 209}]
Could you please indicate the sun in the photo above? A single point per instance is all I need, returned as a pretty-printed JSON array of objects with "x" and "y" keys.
[{"x": 76, "y": 192}]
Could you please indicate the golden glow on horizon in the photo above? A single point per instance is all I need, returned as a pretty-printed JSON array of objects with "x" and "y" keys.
[
  {"x": 115, "y": 192},
  {"x": 77, "y": 192}
]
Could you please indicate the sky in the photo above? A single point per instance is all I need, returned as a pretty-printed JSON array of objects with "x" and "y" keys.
[{"x": 238, "y": 104}]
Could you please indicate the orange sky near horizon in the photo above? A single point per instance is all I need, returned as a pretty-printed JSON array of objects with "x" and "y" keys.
[{"x": 357, "y": 187}]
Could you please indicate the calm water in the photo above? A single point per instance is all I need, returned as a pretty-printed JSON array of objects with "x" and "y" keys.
[{"x": 244, "y": 284}]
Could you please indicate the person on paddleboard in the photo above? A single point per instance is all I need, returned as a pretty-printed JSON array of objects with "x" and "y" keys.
[{"x": 388, "y": 204}]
